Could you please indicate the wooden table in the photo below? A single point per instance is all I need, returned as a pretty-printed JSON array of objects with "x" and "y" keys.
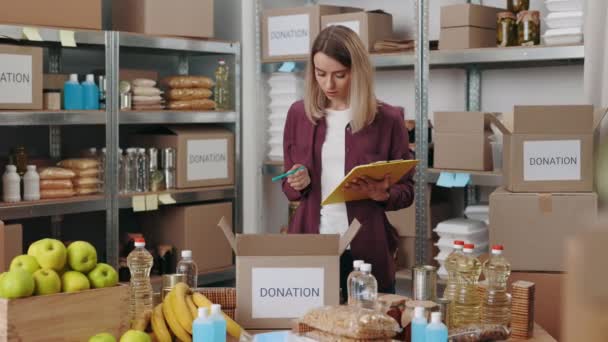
[{"x": 540, "y": 335}]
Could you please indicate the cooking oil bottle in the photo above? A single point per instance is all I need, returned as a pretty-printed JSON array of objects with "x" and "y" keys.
[
  {"x": 451, "y": 264},
  {"x": 222, "y": 86},
  {"x": 496, "y": 304},
  {"x": 467, "y": 306},
  {"x": 140, "y": 262}
]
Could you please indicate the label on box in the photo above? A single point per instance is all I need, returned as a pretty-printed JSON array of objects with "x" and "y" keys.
[
  {"x": 288, "y": 35},
  {"x": 16, "y": 78},
  {"x": 286, "y": 292},
  {"x": 352, "y": 24},
  {"x": 553, "y": 160},
  {"x": 207, "y": 159}
]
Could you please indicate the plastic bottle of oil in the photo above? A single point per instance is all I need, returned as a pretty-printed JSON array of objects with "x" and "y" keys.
[
  {"x": 451, "y": 264},
  {"x": 140, "y": 262},
  {"x": 496, "y": 304},
  {"x": 467, "y": 306},
  {"x": 222, "y": 86}
]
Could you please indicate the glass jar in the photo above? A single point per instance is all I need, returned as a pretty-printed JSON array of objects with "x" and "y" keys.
[
  {"x": 528, "y": 28},
  {"x": 506, "y": 29},
  {"x": 21, "y": 160},
  {"x": 517, "y": 6}
]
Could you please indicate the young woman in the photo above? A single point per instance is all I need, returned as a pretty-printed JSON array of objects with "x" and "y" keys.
[{"x": 340, "y": 125}]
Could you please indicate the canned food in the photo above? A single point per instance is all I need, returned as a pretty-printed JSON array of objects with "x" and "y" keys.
[
  {"x": 169, "y": 281},
  {"x": 424, "y": 284}
]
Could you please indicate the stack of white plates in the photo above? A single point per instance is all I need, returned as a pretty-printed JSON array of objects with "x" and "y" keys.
[
  {"x": 478, "y": 212},
  {"x": 467, "y": 230},
  {"x": 564, "y": 22},
  {"x": 284, "y": 90}
]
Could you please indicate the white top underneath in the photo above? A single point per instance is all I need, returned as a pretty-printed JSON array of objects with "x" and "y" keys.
[{"x": 334, "y": 219}]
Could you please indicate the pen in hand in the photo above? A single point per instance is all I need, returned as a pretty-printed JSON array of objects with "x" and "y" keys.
[{"x": 287, "y": 174}]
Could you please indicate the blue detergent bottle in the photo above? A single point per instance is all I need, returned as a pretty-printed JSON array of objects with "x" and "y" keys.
[
  {"x": 436, "y": 331},
  {"x": 219, "y": 323},
  {"x": 419, "y": 324},
  {"x": 202, "y": 327},
  {"x": 90, "y": 93},
  {"x": 73, "y": 94}
]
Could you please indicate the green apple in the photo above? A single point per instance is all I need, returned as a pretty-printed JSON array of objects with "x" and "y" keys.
[
  {"x": 135, "y": 336},
  {"x": 103, "y": 337},
  {"x": 82, "y": 256},
  {"x": 49, "y": 253},
  {"x": 2, "y": 276},
  {"x": 25, "y": 262},
  {"x": 103, "y": 275},
  {"x": 73, "y": 281},
  {"x": 47, "y": 282},
  {"x": 17, "y": 284}
]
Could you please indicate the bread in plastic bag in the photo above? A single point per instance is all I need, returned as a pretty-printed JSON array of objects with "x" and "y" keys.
[
  {"x": 188, "y": 82},
  {"x": 202, "y": 104},
  {"x": 87, "y": 191},
  {"x": 352, "y": 322},
  {"x": 56, "y": 184},
  {"x": 479, "y": 333},
  {"x": 189, "y": 94},
  {"x": 79, "y": 163},
  {"x": 147, "y": 99},
  {"x": 56, "y": 173},
  {"x": 51, "y": 194},
  {"x": 143, "y": 82},
  {"x": 94, "y": 172},
  {"x": 86, "y": 182},
  {"x": 146, "y": 91}
]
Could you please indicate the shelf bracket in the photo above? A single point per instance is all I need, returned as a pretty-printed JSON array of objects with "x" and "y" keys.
[{"x": 473, "y": 105}]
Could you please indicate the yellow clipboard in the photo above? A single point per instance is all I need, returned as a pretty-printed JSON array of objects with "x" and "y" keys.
[{"x": 395, "y": 168}]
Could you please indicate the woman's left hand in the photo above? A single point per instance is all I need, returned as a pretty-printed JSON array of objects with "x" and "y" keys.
[{"x": 376, "y": 190}]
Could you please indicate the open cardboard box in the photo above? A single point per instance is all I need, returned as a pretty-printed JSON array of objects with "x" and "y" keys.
[{"x": 281, "y": 277}]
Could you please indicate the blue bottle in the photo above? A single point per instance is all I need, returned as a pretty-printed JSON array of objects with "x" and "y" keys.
[
  {"x": 73, "y": 94},
  {"x": 419, "y": 325},
  {"x": 219, "y": 323},
  {"x": 90, "y": 93},
  {"x": 436, "y": 331},
  {"x": 202, "y": 327}
]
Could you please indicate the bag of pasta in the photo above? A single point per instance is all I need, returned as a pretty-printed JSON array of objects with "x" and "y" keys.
[
  {"x": 79, "y": 163},
  {"x": 479, "y": 333},
  {"x": 349, "y": 323}
]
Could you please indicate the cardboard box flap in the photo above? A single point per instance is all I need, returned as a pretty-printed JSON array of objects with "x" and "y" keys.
[
  {"x": 349, "y": 235},
  {"x": 287, "y": 245},
  {"x": 223, "y": 224},
  {"x": 572, "y": 119},
  {"x": 505, "y": 126},
  {"x": 599, "y": 116}
]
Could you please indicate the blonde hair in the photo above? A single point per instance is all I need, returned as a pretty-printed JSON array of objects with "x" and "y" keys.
[{"x": 345, "y": 46}]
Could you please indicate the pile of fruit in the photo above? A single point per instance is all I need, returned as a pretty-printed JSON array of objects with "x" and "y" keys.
[{"x": 49, "y": 267}]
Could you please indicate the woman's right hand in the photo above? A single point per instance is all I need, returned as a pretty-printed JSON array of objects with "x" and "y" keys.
[{"x": 299, "y": 180}]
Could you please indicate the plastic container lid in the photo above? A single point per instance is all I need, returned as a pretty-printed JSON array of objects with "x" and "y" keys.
[
  {"x": 222, "y": 61},
  {"x": 497, "y": 249},
  {"x": 460, "y": 226},
  {"x": 458, "y": 244},
  {"x": 74, "y": 78},
  {"x": 141, "y": 150},
  {"x": 366, "y": 268},
  {"x": 91, "y": 78},
  {"x": 140, "y": 242},
  {"x": 186, "y": 253},
  {"x": 357, "y": 264},
  {"x": 216, "y": 309},
  {"x": 419, "y": 312},
  {"x": 436, "y": 317},
  {"x": 203, "y": 313}
]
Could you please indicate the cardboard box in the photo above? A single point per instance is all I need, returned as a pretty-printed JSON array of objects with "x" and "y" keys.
[
  {"x": 192, "y": 227},
  {"x": 85, "y": 14},
  {"x": 288, "y": 33},
  {"x": 20, "y": 77},
  {"x": 281, "y": 277},
  {"x": 547, "y": 303},
  {"x": 533, "y": 227},
  {"x": 186, "y": 18},
  {"x": 462, "y": 141},
  {"x": 467, "y": 26},
  {"x": 458, "y": 38},
  {"x": 54, "y": 81},
  {"x": 370, "y": 26},
  {"x": 205, "y": 155},
  {"x": 11, "y": 244},
  {"x": 406, "y": 253},
  {"x": 549, "y": 148},
  {"x": 131, "y": 74}
]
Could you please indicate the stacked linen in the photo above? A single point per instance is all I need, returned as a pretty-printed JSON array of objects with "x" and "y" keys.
[
  {"x": 146, "y": 96},
  {"x": 564, "y": 22},
  {"x": 285, "y": 89},
  {"x": 467, "y": 230}
]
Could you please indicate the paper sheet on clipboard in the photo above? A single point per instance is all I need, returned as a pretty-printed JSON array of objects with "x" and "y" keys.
[{"x": 395, "y": 168}]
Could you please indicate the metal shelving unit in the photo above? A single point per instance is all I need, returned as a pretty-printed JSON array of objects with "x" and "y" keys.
[{"x": 111, "y": 44}]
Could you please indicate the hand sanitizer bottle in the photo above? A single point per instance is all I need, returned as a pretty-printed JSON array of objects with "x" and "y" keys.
[{"x": 202, "y": 327}]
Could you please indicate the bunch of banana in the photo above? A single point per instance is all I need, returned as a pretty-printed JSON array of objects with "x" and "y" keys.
[{"x": 174, "y": 316}]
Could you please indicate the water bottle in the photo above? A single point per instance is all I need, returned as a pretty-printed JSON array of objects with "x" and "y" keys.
[
  {"x": 366, "y": 289},
  {"x": 131, "y": 170},
  {"x": 73, "y": 94},
  {"x": 202, "y": 327},
  {"x": 436, "y": 331},
  {"x": 222, "y": 87},
  {"x": 352, "y": 280},
  {"x": 140, "y": 262},
  {"x": 188, "y": 267},
  {"x": 11, "y": 183},
  {"x": 90, "y": 93},
  {"x": 419, "y": 325},
  {"x": 218, "y": 322}
]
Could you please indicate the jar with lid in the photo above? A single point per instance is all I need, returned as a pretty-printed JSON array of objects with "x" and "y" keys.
[
  {"x": 156, "y": 176},
  {"x": 517, "y": 6},
  {"x": 528, "y": 28},
  {"x": 21, "y": 160},
  {"x": 506, "y": 29},
  {"x": 168, "y": 166}
]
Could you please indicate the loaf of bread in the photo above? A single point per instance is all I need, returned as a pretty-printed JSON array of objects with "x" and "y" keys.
[
  {"x": 56, "y": 173},
  {"x": 86, "y": 182},
  {"x": 203, "y": 104},
  {"x": 50, "y": 194},
  {"x": 79, "y": 163},
  {"x": 55, "y": 184},
  {"x": 189, "y": 94},
  {"x": 351, "y": 322},
  {"x": 188, "y": 82}
]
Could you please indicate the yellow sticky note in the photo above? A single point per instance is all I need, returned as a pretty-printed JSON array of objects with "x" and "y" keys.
[
  {"x": 32, "y": 33},
  {"x": 67, "y": 38},
  {"x": 139, "y": 203},
  {"x": 166, "y": 199},
  {"x": 151, "y": 202}
]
